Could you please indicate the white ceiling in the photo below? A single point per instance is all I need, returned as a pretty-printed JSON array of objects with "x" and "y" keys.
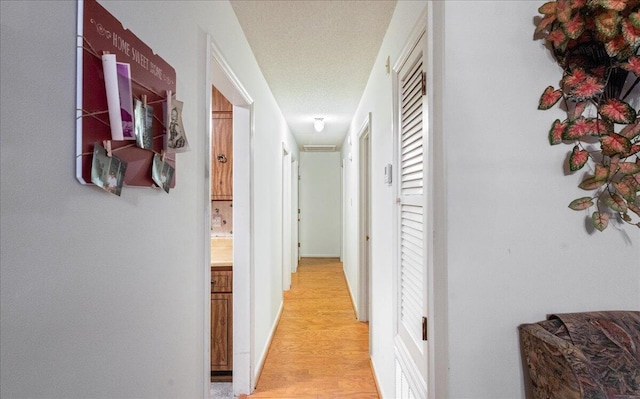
[{"x": 316, "y": 56}]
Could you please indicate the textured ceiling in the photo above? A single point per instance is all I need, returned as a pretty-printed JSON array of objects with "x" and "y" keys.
[{"x": 316, "y": 57}]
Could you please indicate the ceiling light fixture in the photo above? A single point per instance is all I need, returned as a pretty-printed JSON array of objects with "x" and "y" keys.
[{"x": 318, "y": 124}]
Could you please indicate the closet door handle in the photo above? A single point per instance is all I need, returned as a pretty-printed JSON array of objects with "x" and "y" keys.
[{"x": 221, "y": 158}]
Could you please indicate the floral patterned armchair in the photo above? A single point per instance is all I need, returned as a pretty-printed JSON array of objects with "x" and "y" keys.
[{"x": 592, "y": 355}]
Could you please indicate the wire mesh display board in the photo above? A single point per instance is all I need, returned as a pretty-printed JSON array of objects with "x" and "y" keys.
[{"x": 152, "y": 80}]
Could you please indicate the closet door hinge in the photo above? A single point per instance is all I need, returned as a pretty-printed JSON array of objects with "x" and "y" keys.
[
  {"x": 424, "y": 83},
  {"x": 424, "y": 329}
]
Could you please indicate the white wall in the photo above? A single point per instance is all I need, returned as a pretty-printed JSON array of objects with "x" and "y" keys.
[
  {"x": 76, "y": 323},
  {"x": 320, "y": 212},
  {"x": 514, "y": 251},
  {"x": 377, "y": 100}
]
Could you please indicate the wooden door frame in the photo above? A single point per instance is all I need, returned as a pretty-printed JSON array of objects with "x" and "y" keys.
[{"x": 219, "y": 73}]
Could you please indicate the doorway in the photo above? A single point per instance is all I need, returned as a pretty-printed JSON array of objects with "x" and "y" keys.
[
  {"x": 286, "y": 218},
  {"x": 364, "y": 218},
  {"x": 219, "y": 74}
]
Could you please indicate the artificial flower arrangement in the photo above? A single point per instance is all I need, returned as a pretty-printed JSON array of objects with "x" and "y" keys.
[{"x": 596, "y": 43}]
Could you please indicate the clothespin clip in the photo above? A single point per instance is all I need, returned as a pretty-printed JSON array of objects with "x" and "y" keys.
[
  {"x": 107, "y": 146},
  {"x": 163, "y": 154},
  {"x": 144, "y": 100}
]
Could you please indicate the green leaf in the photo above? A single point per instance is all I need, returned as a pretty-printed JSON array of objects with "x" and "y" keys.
[
  {"x": 578, "y": 158},
  {"x": 616, "y": 202},
  {"x": 549, "y": 98},
  {"x": 634, "y": 17},
  {"x": 590, "y": 183},
  {"x": 617, "y": 111},
  {"x": 581, "y": 203},
  {"x": 548, "y": 8},
  {"x": 600, "y": 220},
  {"x": 556, "y": 132}
]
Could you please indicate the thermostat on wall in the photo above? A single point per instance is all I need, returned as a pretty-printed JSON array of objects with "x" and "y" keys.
[{"x": 387, "y": 174}]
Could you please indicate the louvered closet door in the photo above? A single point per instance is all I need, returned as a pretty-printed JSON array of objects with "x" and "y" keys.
[{"x": 412, "y": 246}]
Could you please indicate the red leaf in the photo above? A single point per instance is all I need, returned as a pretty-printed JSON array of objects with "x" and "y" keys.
[
  {"x": 630, "y": 131},
  {"x": 617, "y": 5},
  {"x": 558, "y": 38},
  {"x": 613, "y": 165},
  {"x": 578, "y": 3},
  {"x": 633, "y": 150},
  {"x": 574, "y": 78},
  {"x": 588, "y": 88},
  {"x": 632, "y": 65},
  {"x": 600, "y": 220},
  {"x": 574, "y": 27},
  {"x": 545, "y": 22},
  {"x": 629, "y": 168},
  {"x": 581, "y": 203},
  {"x": 616, "y": 202},
  {"x": 608, "y": 23},
  {"x": 633, "y": 181},
  {"x": 577, "y": 129},
  {"x": 555, "y": 134},
  {"x": 625, "y": 190},
  {"x": 601, "y": 127},
  {"x": 563, "y": 10},
  {"x": 549, "y": 98},
  {"x": 601, "y": 172},
  {"x": 615, "y": 144},
  {"x": 630, "y": 33},
  {"x": 617, "y": 111},
  {"x": 615, "y": 45},
  {"x": 578, "y": 158}
]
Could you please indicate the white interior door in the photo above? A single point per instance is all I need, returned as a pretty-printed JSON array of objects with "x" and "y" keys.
[
  {"x": 412, "y": 160},
  {"x": 294, "y": 216}
]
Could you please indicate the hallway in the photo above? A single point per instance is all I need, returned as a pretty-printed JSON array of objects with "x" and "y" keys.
[{"x": 319, "y": 350}]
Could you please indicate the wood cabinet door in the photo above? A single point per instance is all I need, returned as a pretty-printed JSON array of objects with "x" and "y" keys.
[
  {"x": 222, "y": 158},
  {"x": 221, "y": 332}
]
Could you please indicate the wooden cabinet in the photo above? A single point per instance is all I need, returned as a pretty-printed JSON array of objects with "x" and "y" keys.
[
  {"x": 221, "y": 148},
  {"x": 221, "y": 324}
]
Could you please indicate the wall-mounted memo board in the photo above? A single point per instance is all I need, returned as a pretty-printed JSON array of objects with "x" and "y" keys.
[{"x": 151, "y": 76}]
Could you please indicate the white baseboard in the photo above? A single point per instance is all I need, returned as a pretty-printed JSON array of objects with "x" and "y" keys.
[
  {"x": 320, "y": 256},
  {"x": 263, "y": 355}
]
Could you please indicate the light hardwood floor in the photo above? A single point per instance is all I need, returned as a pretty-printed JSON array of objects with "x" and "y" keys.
[{"x": 319, "y": 349}]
